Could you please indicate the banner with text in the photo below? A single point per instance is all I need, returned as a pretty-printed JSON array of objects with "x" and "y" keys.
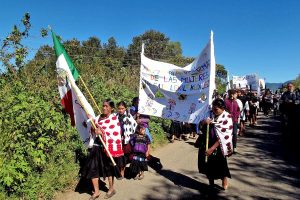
[
  {"x": 181, "y": 94},
  {"x": 246, "y": 82}
]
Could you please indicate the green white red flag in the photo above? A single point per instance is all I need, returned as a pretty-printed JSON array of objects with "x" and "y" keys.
[{"x": 72, "y": 99}]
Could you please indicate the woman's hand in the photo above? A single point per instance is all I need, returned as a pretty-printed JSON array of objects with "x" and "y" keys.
[
  {"x": 99, "y": 131},
  {"x": 209, "y": 151},
  {"x": 206, "y": 121}
]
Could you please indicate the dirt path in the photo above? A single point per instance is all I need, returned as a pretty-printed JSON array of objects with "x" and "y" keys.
[{"x": 262, "y": 169}]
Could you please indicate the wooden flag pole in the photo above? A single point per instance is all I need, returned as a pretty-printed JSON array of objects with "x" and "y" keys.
[
  {"x": 87, "y": 89},
  {"x": 73, "y": 85},
  {"x": 206, "y": 145},
  {"x": 92, "y": 121}
]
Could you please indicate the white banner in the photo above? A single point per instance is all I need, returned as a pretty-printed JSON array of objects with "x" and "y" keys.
[
  {"x": 246, "y": 82},
  {"x": 253, "y": 82},
  {"x": 172, "y": 92},
  {"x": 239, "y": 82},
  {"x": 262, "y": 83}
]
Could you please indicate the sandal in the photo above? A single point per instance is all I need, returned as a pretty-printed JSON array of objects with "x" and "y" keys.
[
  {"x": 136, "y": 177},
  {"x": 141, "y": 177},
  {"x": 225, "y": 184},
  {"x": 107, "y": 196},
  {"x": 94, "y": 197}
]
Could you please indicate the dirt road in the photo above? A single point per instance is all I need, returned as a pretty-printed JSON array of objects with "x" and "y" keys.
[{"x": 263, "y": 168}]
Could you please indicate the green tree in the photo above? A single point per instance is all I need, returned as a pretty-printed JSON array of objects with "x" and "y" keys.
[
  {"x": 297, "y": 82},
  {"x": 221, "y": 78},
  {"x": 13, "y": 53},
  {"x": 156, "y": 44}
]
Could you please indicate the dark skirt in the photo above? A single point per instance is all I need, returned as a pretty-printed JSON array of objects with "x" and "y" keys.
[
  {"x": 98, "y": 164},
  {"x": 138, "y": 164},
  {"x": 176, "y": 129},
  {"x": 127, "y": 149},
  {"x": 94, "y": 163},
  {"x": 252, "y": 111},
  {"x": 216, "y": 166}
]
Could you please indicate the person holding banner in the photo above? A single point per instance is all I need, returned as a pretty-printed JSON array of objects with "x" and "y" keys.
[{"x": 219, "y": 145}]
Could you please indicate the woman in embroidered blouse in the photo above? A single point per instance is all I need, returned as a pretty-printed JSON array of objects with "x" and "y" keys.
[
  {"x": 99, "y": 163},
  {"x": 128, "y": 126},
  {"x": 110, "y": 129},
  {"x": 219, "y": 146}
]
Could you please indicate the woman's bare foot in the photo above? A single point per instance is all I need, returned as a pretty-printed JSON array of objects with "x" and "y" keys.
[{"x": 225, "y": 183}]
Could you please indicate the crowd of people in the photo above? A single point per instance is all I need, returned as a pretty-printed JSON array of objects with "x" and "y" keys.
[
  {"x": 241, "y": 107},
  {"x": 123, "y": 138}
]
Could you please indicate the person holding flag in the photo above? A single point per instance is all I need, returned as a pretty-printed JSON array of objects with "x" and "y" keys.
[
  {"x": 100, "y": 161},
  {"x": 108, "y": 126}
]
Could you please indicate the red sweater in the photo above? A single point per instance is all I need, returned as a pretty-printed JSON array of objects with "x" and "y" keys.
[{"x": 233, "y": 108}]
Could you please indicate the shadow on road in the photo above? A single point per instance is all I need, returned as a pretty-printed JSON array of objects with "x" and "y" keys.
[
  {"x": 275, "y": 167},
  {"x": 180, "y": 180}
]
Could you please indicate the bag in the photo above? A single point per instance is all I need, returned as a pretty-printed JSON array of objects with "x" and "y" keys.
[{"x": 154, "y": 163}]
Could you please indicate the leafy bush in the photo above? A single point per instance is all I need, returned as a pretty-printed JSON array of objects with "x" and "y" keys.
[{"x": 33, "y": 142}]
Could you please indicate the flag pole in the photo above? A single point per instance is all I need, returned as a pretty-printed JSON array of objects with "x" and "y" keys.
[
  {"x": 206, "y": 145},
  {"x": 87, "y": 89},
  {"x": 94, "y": 126},
  {"x": 73, "y": 85}
]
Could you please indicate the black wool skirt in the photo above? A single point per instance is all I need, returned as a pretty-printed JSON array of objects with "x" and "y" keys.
[
  {"x": 216, "y": 166},
  {"x": 98, "y": 164},
  {"x": 94, "y": 166},
  {"x": 138, "y": 163},
  {"x": 109, "y": 169},
  {"x": 176, "y": 129}
]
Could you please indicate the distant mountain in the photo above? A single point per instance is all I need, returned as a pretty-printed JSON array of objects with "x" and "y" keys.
[{"x": 275, "y": 86}]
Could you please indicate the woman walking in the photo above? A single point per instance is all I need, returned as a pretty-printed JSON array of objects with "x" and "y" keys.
[
  {"x": 219, "y": 146},
  {"x": 128, "y": 127},
  {"x": 99, "y": 163}
]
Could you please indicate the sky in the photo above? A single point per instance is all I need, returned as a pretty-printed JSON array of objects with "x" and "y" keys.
[{"x": 250, "y": 36}]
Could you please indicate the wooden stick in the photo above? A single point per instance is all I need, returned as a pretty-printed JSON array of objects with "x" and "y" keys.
[
  {"x": 92, "y": 121},
  {"x": 206, "y": 145},
  {"x": 87, "y": 89}
]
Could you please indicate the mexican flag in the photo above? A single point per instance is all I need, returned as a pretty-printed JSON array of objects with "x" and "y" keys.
[{"x": 72, "y": 99}]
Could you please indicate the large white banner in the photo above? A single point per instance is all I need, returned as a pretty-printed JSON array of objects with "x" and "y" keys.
[{"x": 172, "y": 92}]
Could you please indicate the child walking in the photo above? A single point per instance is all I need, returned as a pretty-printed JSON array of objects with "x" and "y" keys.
[{"x": 140, "y": 143}]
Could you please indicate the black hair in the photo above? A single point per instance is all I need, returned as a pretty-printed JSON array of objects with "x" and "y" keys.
[
  {"x": 232, "y": 92},
  {"x": 110, "y": 102},
  {"x": 122, "y": 103},
  {"x": 219, "y": 103},
  {"x": 134, "y": 100}
]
